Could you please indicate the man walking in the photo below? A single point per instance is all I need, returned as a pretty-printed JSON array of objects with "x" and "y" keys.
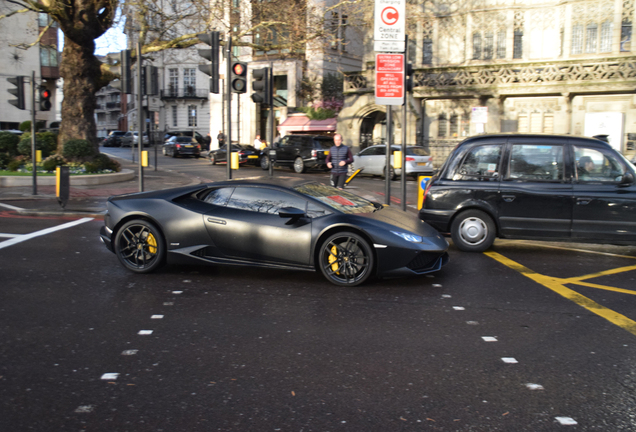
[{"x": 337, "y": 160}]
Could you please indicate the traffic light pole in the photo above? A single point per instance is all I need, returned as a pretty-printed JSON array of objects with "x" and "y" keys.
[
  {"x": 33, "y": 156},
  {"x": 228, "y": 98},
  {"x": 140, "y": 118}
]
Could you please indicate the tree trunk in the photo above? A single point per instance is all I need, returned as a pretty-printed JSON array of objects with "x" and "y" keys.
[{"x": 80, "y": 70}]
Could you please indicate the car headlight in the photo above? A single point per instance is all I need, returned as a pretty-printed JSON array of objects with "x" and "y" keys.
[{"x": 409, "y": 237}]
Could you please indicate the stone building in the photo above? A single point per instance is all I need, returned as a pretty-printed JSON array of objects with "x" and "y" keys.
[{"x": 546, "y": 66}]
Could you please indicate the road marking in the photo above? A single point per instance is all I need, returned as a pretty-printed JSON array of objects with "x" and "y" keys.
[
  {"x": 26, "y": 237},
  {"x": 144, "y": 332},
  {"x": 10, "y": 207},
  {"x": 509, "y": 360},
  {"x": 558, "y": 286},
  {"x": 566, "y": 421},
  {"x": 10, "y": 235},
  {"x": 110, "y": 376},
  {"x": 489, "y": 339}
]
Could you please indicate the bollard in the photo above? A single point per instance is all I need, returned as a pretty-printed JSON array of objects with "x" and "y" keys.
[
  {"x": 62, "y": 185},
  {"x": 422, "y": 182}
]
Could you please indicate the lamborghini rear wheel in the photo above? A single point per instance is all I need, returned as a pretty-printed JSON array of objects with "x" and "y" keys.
[
  {"x": 139, "y": 246},
  {"x": 346, "y": 259}
]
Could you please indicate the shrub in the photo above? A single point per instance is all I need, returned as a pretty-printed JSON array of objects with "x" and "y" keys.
[
  {"x": 25, "y": 126},
  {"x": 106, "y": 163},
  {"x": 52, "y": 162},
  {"x": 48, "y": 143},
  {"x": 91, "y": 167},
  {"x": 14, "y": 164},
  {"x": 77, "y": 149},
  {"x": 5, "y": 158},
  {"x": 9, "y": 143}
]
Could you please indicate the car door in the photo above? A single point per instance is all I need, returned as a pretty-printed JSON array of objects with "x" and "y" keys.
[
  {"x": 288, "y": 149},
  {"x": 248, "y": 227},
  {"x": 221, "y": 154},
  {"x": 604, "y": 207},
  {"x": 535, "y": 198}
]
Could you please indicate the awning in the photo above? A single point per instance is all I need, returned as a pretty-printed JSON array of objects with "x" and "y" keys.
[{"x": 300, "y": 123}]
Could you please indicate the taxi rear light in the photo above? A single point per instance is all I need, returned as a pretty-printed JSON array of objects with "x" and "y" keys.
[{"x": 178, "y": 145}]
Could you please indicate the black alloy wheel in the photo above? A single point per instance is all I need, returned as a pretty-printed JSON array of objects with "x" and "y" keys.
[
  {"x": 264, "y": 162},
  {"x": 346, "y": 259},
  {"x": 473, "y": 231},
  {"x": 139, "y": 246}
]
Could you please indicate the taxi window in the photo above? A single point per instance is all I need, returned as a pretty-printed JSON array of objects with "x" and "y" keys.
[
  {"x": 530, "y": 162},
  {"x": 480, "y": 163},
  {"x": 595, "y": 165}
]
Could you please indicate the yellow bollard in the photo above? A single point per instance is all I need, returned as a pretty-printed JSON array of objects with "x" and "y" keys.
[
  {"x": 422, "y": 182},
  {"x": 144, "y": 158},
  {"x": 38, "y": 156},
  {"x": 235, "y": 161},
  {"x": 397, "y": 159}
]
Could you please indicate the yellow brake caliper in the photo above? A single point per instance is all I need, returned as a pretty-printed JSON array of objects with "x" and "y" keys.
[
  {"x": 152, "y": 244},
  {"x": 333, "y": 259}
]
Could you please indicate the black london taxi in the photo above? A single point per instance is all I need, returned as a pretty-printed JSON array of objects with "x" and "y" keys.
[{"x": 541, "y": 187}]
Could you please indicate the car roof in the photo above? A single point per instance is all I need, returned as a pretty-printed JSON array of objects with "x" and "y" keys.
[{"x": 542, "y": 137}]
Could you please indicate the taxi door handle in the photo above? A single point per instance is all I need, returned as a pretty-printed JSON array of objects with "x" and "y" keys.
[
  {"x": 509, "y": 198},
  {"x": 217, "y": 221},
  {"x": 583, "y": 201}
]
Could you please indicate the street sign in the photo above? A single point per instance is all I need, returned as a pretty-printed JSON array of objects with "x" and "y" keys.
[
  {"x": 389, "y": 79},
  {"x": 388, "y": 46},
  {"x": 390, "y": 19}
]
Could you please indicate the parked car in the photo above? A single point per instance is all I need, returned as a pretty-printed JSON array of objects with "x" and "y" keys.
[
  {"x": 299, "y": 152},
  {"x": 373, "y": 161},
  {"x": 113, "y": 139},
  {"x": 132, "y": 139},
  {"x": 281, "y": 224},
  {"x": 182, "y": 146},
  {"x": 188, "y": 133},
  {"x": 548, "y": 187},
  {"x": 248, "y": 155}
]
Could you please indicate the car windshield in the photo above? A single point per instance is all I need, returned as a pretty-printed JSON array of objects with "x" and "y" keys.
[
  {"x": 324, "y": 143},
  {"x": 185, "y": 139},
  {"x": 340, "y": 200},
  {"x": 416, "y": 151}
]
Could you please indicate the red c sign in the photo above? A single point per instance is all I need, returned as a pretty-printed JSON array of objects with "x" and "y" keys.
[{"x": 389, "y": 15}]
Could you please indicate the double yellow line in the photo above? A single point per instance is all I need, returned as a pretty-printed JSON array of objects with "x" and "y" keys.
[{"x": 558, "y": 285}]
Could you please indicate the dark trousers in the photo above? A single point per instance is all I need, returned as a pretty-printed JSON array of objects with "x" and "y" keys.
[{"x": 338, "y": 180}]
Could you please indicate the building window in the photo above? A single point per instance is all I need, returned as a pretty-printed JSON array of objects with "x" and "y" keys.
[
  {"x": 591, "y": 37},
  {"x": 606, "y": 36},
  {"x": 192, "y": 115},
  {"x": 175, "y": 122},
  {"x": 48, "y": 56},
  {"x": 501, "y": 44},
  {"x": 626, "y": 36},
  {"x": 577, "y": 39},
  {"x": 442, "y": 125},
  {"x": 517, "y": 49},
  {"x": 476, "y": 46},
  {"x": 189, "y": 81},
  {"x": 427, "y": 55},
  {"x": 454, "y": 126},
  {"x": 338, "y": 29},
  {"x": 44, "y": 20},
  {"x": 173, "y": 83},
  {"x": 488, "y": 46}
]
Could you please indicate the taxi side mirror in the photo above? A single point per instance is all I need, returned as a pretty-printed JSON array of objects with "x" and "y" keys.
[{"x": 627, "y": 180}]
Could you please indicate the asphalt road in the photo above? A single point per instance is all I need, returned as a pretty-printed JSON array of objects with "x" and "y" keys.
[{"x": 526, "y": 337}]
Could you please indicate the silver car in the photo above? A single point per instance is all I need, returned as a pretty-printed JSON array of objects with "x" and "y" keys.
[{"x": 373, "y": 160}]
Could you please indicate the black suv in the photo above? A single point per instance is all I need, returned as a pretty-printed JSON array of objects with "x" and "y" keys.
[
  {"x": 299, "y": 152},
  {"x": 113, "y": 139},
  {"x": 543, "y": 187}
]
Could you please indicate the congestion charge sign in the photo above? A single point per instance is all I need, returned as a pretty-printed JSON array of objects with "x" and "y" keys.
[
  {"x": 390, "y": 16},
  {"x": 389, "y": 79}
]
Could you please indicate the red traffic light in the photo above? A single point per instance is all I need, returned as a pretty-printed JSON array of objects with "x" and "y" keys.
[
  {"x": 46, "y": 94},
  {"x": 238, "y": 69}
]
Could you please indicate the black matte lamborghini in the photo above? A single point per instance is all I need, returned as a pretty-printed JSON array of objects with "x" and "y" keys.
[{"x": 281, "y": 223}]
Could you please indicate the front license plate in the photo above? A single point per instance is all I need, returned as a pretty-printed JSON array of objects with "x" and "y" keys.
[{"x": 326, "y": 152}]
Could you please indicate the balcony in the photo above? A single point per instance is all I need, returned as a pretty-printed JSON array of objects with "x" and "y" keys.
[
  {"x": 533, "y": 78},
  {"x": 185, "y": 93},
  {"x": 113, "y": 105}
]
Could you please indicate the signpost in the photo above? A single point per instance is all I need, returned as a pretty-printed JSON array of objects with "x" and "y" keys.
[{"x": 389, "y": 24}]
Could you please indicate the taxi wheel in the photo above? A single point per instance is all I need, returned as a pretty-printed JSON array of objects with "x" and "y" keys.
[
  {"x": 212, "y": 159},
  {"x": 140, "y": 246},
  {"x": 473, "y": 231},
  {"x": 346, "y": 259}
]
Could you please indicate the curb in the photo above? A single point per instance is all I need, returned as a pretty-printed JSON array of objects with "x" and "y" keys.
[{"x": 82, "y": 180}]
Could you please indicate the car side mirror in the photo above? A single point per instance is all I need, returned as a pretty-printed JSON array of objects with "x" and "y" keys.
[
  {"x": 292, "y": 213},
  {"x": 627, "y": 180}
]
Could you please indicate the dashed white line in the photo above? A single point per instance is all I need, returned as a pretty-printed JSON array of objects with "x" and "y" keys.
[
  {"x": 531, "y": 386},
  {"x": 459, "y": 308},
  {"x": 129, "y": 352},
  {"x": 489, "y": 339},
  {"x": 145, "y": 332},
  {"x": 110, "y": 376},
  {"x": 510, "y": 360},
  {"x": 10, "y": 207},
  {"x": 566, "y": 421},
  {"x": 156, "y": 317}
]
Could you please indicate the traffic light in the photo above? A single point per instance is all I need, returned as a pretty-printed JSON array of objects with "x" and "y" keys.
[
  {"x": 45, "y": 98},
  {"x": 213, "y": 39},
  {"x": 125, "y": 75},
  {"x": 262, "y": 87},
  {"x": 18, "y": 91},
  {"x": 238, "y": 80},
  {"x": 150, "y": 80},
  {"x": 408, "y": 77}
]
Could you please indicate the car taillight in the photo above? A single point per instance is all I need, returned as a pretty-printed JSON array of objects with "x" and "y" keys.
[
  {"x": 409, "y": 159},
  {"x": 241, "y": 153},
  {"x": 198, "y": 147},
  {"x": 314, "y": 153},
  {"x": 178, "y": 145}
]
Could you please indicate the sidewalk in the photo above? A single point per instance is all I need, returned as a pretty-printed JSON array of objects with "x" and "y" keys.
[{"x": 87, "y": 200}]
